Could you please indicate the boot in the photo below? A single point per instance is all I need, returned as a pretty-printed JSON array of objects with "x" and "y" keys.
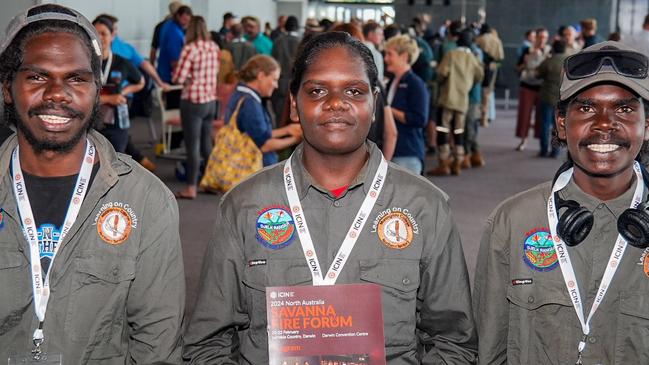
[
  {"x": 442, "y": 169},
  {"x": 456, "y": 167},
  {"x": 477, "y": 160},
  {"x": 466, "y": 162}
]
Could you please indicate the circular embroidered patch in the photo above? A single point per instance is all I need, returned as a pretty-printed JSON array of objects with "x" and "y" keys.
[
  {"x": 645, "y": 265},
  {"x": 275, "y": 227},
  {"x": 395, "y": 230},
  {"x": 114, "y": 225},
  {"x": 538, "y": 250}
]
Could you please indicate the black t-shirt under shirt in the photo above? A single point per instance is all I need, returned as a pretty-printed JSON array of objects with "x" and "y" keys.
[{"x": 49, "y": 198}]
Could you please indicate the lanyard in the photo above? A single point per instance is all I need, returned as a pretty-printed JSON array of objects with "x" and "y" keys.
[
  {"x": 567, "y": 270},
  {"x": 106, "y": 71},
  {"x": 393, "y": 89},
  {"x": 352, "y": 234},
  {"x": 41, "y": 285}
]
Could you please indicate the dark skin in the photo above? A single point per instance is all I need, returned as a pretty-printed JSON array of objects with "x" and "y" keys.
[
  {"x": 55, "y": 79},
  {"x": 604, "y": 127},
  {"x": 335, "y": 105}
]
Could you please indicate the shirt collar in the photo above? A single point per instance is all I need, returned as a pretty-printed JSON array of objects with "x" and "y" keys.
[
  {"x": 304, "y": 181},
  {"x": 616, "y": 206}
]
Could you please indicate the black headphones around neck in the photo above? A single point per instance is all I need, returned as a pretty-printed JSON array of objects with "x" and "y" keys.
[{"x": 576, "y": 222}]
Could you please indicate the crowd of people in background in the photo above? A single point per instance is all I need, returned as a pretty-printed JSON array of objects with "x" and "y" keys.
[{"x": 436, "y": 83}]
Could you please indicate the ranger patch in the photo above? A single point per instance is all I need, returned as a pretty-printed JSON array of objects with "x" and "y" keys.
[
  {"x": 395, "y": 230},
  {"x": 538, "y": 250},
  {"x": 114, "y": 225},
  {"x": 275, "y": 227}
]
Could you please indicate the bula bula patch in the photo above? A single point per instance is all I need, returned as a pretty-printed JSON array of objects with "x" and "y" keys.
[
  {"x": 275, "y": 227},
  {"x": 396, "y": 227},
  {"x": 538, "y": 250},
  {"x": 115, "y": 221}
]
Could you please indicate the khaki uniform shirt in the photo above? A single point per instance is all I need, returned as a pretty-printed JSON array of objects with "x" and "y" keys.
[
  {"x": 459, "y": 70},
  {"x": 110, "y": 303},
  {"x": 523, "y": 311},
  {"x": 425, "y": 283}
]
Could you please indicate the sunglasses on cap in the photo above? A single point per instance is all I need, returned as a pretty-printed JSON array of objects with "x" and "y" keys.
[{"x": 625, "y": 63}]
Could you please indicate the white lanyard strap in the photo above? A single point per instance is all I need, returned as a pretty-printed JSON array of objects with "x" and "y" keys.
[
  {"x": 352, "y": 234},
  {"x": 106, "y": 71},
  {"x": 40, "y": 285},
  {"x": 564, "y": 258}
]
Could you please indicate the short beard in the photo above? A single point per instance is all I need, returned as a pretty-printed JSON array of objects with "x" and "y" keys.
[{"x": 40, "y": 146}]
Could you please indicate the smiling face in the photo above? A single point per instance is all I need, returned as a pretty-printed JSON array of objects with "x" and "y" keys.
[
  {"x": 53, "y": 95},
  {"x": 395, "y": 62},
  {"x": 335, "y": 102},
  {"x": 604, "y": 127}
]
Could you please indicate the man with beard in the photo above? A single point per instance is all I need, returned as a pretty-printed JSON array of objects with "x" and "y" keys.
[
  {"x": 90, "y": 258},
  {"x": 563, "y": 269}
]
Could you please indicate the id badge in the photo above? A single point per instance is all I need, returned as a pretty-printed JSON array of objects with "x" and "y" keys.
[
  {"x": 42, "y": 359},
  {"x": 123, "y": 120}
]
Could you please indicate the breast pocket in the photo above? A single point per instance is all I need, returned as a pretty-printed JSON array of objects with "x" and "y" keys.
[
  {"x": 98, "y": 302},
  {"x": 632, "y": 338},
  {"x": 539, "y": 320},
  {"x": 276, "y": 272},
  {"x": 14, "y": 281},
  {"x": 399, "y": 280}
]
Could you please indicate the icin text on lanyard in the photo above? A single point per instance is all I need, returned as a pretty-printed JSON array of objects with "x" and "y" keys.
[
  {"x": 40, "y": 285},
  {"x": 566, "y": 265},
  {"x": 352, "y": 234}
]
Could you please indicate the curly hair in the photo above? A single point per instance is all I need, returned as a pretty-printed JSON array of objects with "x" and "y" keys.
[{"x": 309, "y": 50}]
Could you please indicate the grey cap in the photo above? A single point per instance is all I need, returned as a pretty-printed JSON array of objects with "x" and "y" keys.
[
  {"x": 30, "y": 16},
  {"x": 606, "y": 74}
]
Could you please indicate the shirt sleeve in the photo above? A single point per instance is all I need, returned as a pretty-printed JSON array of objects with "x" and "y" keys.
[
  {"x": 181, "y": 72},
  {"x": 444, "y": 297},
  {"x": 252, "y": 121},
  {"x": 156, "y": 301},
  {"x": 221, "y": 309},
  {"x": 490, "y": 297},
  {"x": 155, "y": 41},
  {"x": 136, "y": 59}
]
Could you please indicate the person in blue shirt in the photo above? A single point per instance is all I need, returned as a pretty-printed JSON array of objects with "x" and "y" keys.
[
  {"x": 259, "y": 78},
  {"x": 262, "y": 44},
  {"x": 172, "y": 40},
  {"x": 409, "y": 99}
]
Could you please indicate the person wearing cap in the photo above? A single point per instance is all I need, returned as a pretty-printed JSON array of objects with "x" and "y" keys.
[
  {"x": 155, "y": 40},
  {"x": 172, "y": 40},
  {"x": 90, "y": 259},
  {"x": 563, "y": 268},
  {"x": 262, "y": 43},
  {"x": 459, "y": 70}
]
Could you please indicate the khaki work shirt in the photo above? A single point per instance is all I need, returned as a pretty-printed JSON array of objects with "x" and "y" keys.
[
  {"x": 523, "y": 311},
  {"x": 425, "y": 283},
  {"x": 110, "y": 303}
]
